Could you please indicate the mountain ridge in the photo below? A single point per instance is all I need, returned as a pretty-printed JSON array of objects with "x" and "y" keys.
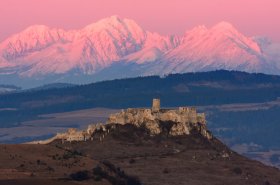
[{"x": 41, "y": 51}]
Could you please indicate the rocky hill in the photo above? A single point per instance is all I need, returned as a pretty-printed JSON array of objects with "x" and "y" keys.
[
  {"x": 136, "y": 146},
  {"x": 156, "y": 121}
]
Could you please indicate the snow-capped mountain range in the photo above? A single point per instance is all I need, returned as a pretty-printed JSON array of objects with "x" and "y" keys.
[{"x": 115, "y": 48}]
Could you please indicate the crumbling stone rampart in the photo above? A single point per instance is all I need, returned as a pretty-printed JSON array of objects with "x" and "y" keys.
[
  {"x": 184, "y": 119},
  {"x": 180, "y": 121}
]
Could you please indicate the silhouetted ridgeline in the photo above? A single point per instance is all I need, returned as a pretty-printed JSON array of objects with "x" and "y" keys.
[{"x": 218, "y": 87}]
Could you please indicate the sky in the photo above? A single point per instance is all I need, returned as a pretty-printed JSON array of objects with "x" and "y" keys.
[{"x": 251, "y": 17}]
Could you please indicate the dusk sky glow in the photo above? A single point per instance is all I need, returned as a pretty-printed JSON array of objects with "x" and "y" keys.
[{"x": 251, "y": 17}]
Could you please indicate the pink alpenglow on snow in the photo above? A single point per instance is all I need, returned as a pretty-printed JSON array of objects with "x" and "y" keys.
[
  {"x": 115, "y": 41},
  {"x": 71, "y": 39}
]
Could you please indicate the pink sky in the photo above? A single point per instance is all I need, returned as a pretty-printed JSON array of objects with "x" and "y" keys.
[{"x": 251, "y": 17}]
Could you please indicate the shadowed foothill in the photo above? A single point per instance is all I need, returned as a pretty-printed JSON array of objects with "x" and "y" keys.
[{"x": 152, "y": 146}]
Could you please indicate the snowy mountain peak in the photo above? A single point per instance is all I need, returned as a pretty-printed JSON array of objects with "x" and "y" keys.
[
  {"x": 36, "y": 29},
  {"x": 123, "y": 47},
  {"x": 198, "y": 30},
  {"x": 33, "y": 38},
  {"x": 103, "y": 23},
  {"x": 33, "y": 32},
  {"x": 226, "y": 31},
  {"x": 113, "y": 22},
  {"x": 115, "y": 19},
  {"x": 220, "y": 28},
  {"x": 223, "y": 26}
]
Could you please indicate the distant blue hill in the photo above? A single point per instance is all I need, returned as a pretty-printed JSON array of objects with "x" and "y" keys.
[
  {"x": 204, "y": 88},
  {"x": 52, "y": 86}
]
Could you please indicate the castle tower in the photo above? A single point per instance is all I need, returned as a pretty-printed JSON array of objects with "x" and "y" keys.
[
  {"x": 193, "y": 115},
  {"x": 156, "y": 105}
]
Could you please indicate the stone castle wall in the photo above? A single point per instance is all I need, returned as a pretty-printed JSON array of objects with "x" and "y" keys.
[
  {"x": 182, "y": 121},
  {"x": 185, "y": 118}
]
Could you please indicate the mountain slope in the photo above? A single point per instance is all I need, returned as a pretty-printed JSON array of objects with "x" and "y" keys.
[
  {"x": 44, "y": 51},
  {"x": 123, "y": 48},
  {"x": 129, "y": 155},
  {"x": 221, "y": 47}
]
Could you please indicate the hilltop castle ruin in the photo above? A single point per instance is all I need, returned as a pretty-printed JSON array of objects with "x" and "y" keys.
[
  {"x": 155, "y": 120},
  {"x": 182, "y": 120}
]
